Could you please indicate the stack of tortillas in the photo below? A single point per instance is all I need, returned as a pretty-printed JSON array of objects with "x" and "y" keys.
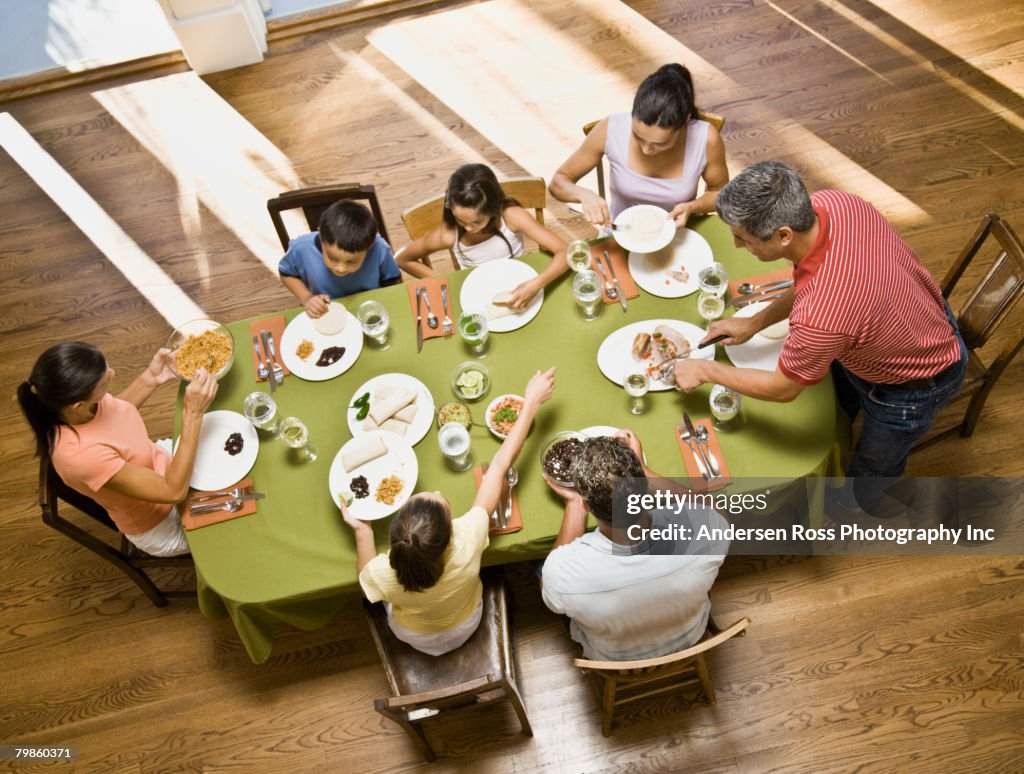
[
  {"x": 332, "y": 322},
  {"x": 392, "y": 409}
]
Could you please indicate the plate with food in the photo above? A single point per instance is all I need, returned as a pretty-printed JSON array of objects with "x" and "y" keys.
[
  {"x": 316, "y": 349},
  {"x": 637, "y": 347},
  {"x": 762, "y": 350},
  {"x": 671, "y": 272},
  {"x": 502, "y": 413},
  {"x": 397, "y": 403},
  {"x": 644, "y": 228},
  {"x": 228, "y": 446},
  {"x": 486, "y": 291},
  {"x": 201, "y": 344},
  {"x": 374, "y": 474}
]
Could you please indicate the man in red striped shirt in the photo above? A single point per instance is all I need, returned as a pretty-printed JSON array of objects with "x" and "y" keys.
[{"x": 863, "y": 307}]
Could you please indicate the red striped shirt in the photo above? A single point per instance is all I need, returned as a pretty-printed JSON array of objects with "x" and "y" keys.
[{"x": 863, "y": 298}]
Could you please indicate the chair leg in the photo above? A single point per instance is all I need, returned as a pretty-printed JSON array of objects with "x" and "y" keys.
[
  {"x": 517, "y": 704},
  {"x": 412, "y": 729},
  {"x": 607, "y": 704},
  {"x": 705, "y": 678}
]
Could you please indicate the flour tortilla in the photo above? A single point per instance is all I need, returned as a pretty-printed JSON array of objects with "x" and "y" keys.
[
  {"x": 777, "y": 330},
  {"x": 498, "y": 306},
  {"x": 392, "y": 401},
  {"x": 366, "y": 449},
  {"x": 332, "y": 322}
]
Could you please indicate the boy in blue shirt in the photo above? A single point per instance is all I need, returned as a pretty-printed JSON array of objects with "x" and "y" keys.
[{"x": 345, "y": 255}]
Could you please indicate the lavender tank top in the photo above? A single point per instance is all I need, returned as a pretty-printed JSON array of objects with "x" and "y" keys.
[{"x": 628, "y": 187}]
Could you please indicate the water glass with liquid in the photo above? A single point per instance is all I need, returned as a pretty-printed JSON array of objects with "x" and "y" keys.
[
  {"x": 725, "y": 408},
  {"x": 586, "y": 289},
  {"x": 260, "y": 409},
  {"x": 453, "y": 439}
]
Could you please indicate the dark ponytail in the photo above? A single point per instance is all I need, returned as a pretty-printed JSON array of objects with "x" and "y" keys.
[
  {"x": 420, "y": 533},
  {"x": 665, "y": 98},
  {"x": 63, "y": 375}
]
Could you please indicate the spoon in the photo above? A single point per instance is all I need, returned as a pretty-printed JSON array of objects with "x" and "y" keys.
[
  {"x": 702, "y": 439},
  {"x": 262, "y": 371},
  {"x": 431, "y": 317},
  {"x": 745, "y": 288},
  {"x": 511, "y": 478},
  {"x": 228, "y": 505}
]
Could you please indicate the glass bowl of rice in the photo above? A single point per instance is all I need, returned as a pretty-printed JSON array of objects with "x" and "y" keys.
[{"x": 194, "y": 343}]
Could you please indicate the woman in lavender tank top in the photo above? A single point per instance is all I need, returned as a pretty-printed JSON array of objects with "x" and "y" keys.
[{"x": 657, "y": 154}]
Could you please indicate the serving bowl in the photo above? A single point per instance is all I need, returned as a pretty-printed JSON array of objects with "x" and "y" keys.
[
  {"x": 467, "y": 391},
  {"x": 493, "y": 409},
  {"x": 193, "y": 342}
]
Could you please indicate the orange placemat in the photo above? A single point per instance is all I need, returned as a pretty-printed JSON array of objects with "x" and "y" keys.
[
  {"x": 433, "y": 286},
  {"x": 620, "y": 261},
  {"x": 697, "y": 482},
  {"x": 771, "y": 276},
  {"x": 190, "y": 522},
  {"x": 276, "y": 327},
  {"x": 515, "y": 519}
]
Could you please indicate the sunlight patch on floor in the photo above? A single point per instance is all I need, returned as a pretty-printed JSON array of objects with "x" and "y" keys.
[{"x": 110, "y": 239}]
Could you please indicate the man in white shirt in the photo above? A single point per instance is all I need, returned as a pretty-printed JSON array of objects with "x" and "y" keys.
[{"x": 627, "y": 596}]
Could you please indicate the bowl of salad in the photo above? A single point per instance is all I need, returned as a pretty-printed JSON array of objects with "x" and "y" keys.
[{"x": 502, "y": 414}]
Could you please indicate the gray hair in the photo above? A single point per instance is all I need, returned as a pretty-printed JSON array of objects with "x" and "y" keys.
[
  {"x": 605, "y": 468},
  {"x": 763, "y": 198}
]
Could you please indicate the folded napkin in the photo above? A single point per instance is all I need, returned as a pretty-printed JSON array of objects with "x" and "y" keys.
[
  {"x": 433, "y": 286},
  {"x": 190, "y": 522},
  {"x": 785, "y": 273},
  {"x": 620, "y": 261},
  {"x": 276, "y": 327},
  {"x": 515, "y": 519},
  {"x": 697, "y": 482}
]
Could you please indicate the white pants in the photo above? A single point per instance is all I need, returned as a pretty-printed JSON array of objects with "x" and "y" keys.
[{"x": 437, "y": 643}]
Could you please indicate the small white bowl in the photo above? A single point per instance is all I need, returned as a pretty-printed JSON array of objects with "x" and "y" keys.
[{"x": 492, "y": 407}]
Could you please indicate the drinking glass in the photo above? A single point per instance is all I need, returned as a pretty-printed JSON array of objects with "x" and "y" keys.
[
  {"x": 473, "y": 330},
  {"x": 578, "y": 256},
  {"x": 453, "y": 438},
  {"x": 260, "y": 409},
  {"x": 710, "y": 306},
  {"x": 295, "y": 434},
  {"x": 586, "y": 289},
  {"x": 636, "y": 386},
  {"x": 725, "y": 408},
  {"x": 373, "y": 318},
  {"x": 714, "y": 279}
]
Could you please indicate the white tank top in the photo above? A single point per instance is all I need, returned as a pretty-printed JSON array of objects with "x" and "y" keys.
[{"x": 492, "y": 249}]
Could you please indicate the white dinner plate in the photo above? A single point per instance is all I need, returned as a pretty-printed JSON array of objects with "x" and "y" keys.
[
  {"x": 688, "y": 251},
  {"x": 487, "y": 279},
  {"x": 424, "y": 405},
  {"x": 597, "y": 431},
  {"x": 630, "y": 241},
  {"x": 302, "y": 327},
  {"x": 615, "y": 355},
  {"x": 759, "y": 351},
  {"x": 214, "y": 467},
  {"x": 399, "y": 461}
]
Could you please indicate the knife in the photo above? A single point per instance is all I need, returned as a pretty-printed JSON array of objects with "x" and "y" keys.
[
  {"x": 266, "y": 350},
  {"x": 419, "y": 319},
  {"x": 658, "y": 367},
  {"x": 494, "y": 514},
  {"x": 696, "y": 440},
  {"x": 504, "y": 504},
  {"x": 209, "y": 507},
  {"x": 615, "y": 281}
]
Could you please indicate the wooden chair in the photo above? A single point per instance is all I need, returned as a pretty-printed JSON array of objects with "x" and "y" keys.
[
  {"x": 313, "y": 202},
  {"x": 715, "y": 120},
  {"x": 126, "y": 557},
  {"x": 530, "y": 192},
  {"x": 481, "y": 671},
  {"x": 979, "y": 317},
  {"x": 622, "y": 682}
]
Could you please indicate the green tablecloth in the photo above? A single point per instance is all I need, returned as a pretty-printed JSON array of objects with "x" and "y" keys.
[{"x": 294, "y": 560}]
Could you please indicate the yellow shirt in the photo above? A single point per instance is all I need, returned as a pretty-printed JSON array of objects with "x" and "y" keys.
[{"x": 454, "y": 597}]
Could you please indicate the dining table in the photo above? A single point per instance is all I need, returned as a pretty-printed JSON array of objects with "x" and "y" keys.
[{"x": 293, "y": 561}]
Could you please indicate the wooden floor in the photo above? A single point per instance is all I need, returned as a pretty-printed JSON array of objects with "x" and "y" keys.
[{"x": 867, "y": 665}]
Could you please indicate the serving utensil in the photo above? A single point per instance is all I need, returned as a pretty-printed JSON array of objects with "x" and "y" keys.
[
  {"x": 446, "y": 323},
  {"x": 745, "y": 288},
  {"x": 261, "y": 370},
  {"x": 690, "y": 441},
  {"x": 431, "y": 317},
  {"x": 702, "y": 439},
  {"x": 615, "y": 281}
]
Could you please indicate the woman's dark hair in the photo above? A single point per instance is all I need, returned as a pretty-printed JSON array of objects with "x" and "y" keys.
[
  {"x": 349, "y": 226},
  {"x": 665, "y": 98},
  {"x": 476, "y": 187},
  {"x": 420, "y": 534},
  {"x": 64, "y": 374}
]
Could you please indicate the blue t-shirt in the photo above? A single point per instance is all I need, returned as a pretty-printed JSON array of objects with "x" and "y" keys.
[{"x": 305, "y": 260}]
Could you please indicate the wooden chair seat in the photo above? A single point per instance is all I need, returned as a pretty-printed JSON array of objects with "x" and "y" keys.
[
  {"x": 618, "y": 683},
  {"x": 481, "y": 671},
  {"x": 313, "y": 201}
]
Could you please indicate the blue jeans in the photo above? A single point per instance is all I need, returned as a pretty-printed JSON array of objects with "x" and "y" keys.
[{"x": 895, "y": 417}]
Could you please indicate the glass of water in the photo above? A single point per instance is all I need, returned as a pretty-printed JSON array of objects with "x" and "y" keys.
[
  {"x": 586, "y": 289},
  {"x": 710, "y": 306},
  {"x": 453, "y": 438},
  {"x": 725, "y": 408},
  {"x": 473, "y": 330},
  {"x": 577, "y": 255},
  {"x": 295, "y": 434},
  {"x": 373, "y": 318},
  {"x": 260, "y": 409},
  {"x": 636, "y": 386},
  {"x": 714, "y": 279}
]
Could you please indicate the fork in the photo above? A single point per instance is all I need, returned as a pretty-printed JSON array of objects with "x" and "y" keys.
[
  {"x": 228, "y": 505},
  {"x": 702, "y": 439},
  {"x": 236, "y": 492},
  {"x": 689, "y": 440},
  {"x": 446, "y": 323},
  {"x": 431, "y": 317},
  {"x": 278, "y": 370}
]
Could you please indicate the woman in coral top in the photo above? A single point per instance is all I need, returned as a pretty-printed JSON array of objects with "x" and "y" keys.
[{"x": 98, "y": 442}]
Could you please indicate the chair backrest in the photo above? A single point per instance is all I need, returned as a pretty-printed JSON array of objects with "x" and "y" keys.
[
  {"x": 712, "y": 118},
  {"x": 530, "y": 192},
  {"x": 623, "y": 682},
  {"x": 313, "y": 202}
]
